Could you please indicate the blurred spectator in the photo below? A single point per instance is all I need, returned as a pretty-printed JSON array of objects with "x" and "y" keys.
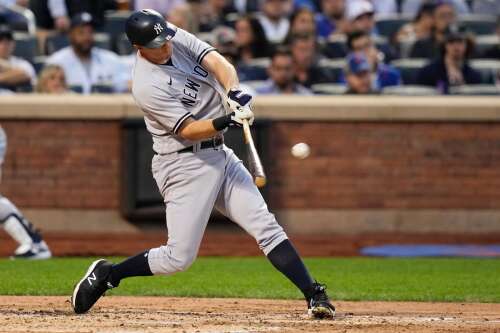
[
  {"x": 486, "y": 7},
  {"x": 358, "y": 75},
  {"x": 274, "y": 19},
  {"x": 164, "y": 7},
  {"x": 360, "y": 14},
  {"x": 451, "y": 69},
  {"x": 10, "y": 3},
  {"x": 85, "y": 65},
  {"x": 14, "y": 72},
  {"x": 331, "y": 20},
  {"x": 383, "y": 75},
  {"x": 250, "y": 40},
  {"x": 212, "y": 14},
  {"x": 177, "y": 12},
  {"x": 224, "y": 40},
  {"x": 305, "y": 57},
  {"x": 421, "y": 27},
  {"x": 411, "y": 7},
  {"x": 494, "y": 52},
  {"x": 281, "y": 79},
  {"x": 10, "y": 13},
  {"x": 444, "y": 17},
  {"x": 244, "y": 6},
  {"x": 302, "y": 22},
  {"x": 56, "y": 14},
  {"x": 51, "y": 80}
]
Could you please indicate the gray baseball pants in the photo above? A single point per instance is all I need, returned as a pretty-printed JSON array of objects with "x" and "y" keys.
[{"x": 191, "y": 185}]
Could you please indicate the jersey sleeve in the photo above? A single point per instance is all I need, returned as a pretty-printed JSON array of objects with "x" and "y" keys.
[
  {"x": 165, "y": 109},
  {"x": 195, "y": 47}
]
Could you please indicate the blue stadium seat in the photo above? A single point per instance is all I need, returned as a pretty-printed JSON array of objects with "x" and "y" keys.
[
  {"x": 409, "y": 68},
  {"x": 123, "y": 46},
  {"x": 488, "y": 69},
  {"x": 55, "y": 43},
  {"x": 103, "y": 40},
  {"x": 102, "y": 89},
  {"x": 388, "y": 25},
  {"x": 77, "y": 89},
  {"x": 476, "y": 90},
  {"x": 335, "y": 67},
  {"x": 486, "y": 42},
  {"x": 26, "y": 46},
  {"x": 410, "y": 90},
  {"x": 329, "y": 89},
  {"x": 114, "y": 25},
  {"x": 478, "y": 24},
  {"x": 39, "y": 63}
]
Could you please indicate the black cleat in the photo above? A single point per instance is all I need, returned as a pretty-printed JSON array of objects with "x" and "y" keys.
[
  {"x": 319, "y": 304},
  {"x": 92, "y": 286}
]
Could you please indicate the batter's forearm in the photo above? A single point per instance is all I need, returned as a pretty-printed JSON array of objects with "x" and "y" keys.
[
  {"x": 195, "y": 130},
  {"x": 223, "y": 71}
]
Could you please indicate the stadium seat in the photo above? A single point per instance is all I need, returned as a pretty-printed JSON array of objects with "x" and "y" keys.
[
  {"x": 409, "y": 68},
  {"x": 485, "y": 42},
  {"x": 39, "y": 63},
  {"x": 77, "y": 89},
  {"x": 55, "y": 43},
  {"x": 334, "y": 47},
  {"x": 26, "y": 46},
  {"x": 336, "y": 67},
  {"x": 410, "y": 90},
  {"x": 114, "y": 26},
  {"x": 102, "y": 89},
  {"x": 329, "y": 89},
  {"x": 115, "y": 22},
  {"x": 488, "y": 68},
  {"x": 389, "y": 25},
  {"x": 476, "y": 89},
  {"x": 478, "y": 24},
  {"x": 123, "y": 46},
  {"x": 103, "y": 40}
]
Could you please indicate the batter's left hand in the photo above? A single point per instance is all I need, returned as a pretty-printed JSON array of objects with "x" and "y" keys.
[{"x": 236, "y": 100}]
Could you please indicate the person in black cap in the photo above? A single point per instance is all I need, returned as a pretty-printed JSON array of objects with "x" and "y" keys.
[
  {"x": 14, "y": 71},
  {"x": 451, "y": 69},
  {"x": 87, "y": 66}
]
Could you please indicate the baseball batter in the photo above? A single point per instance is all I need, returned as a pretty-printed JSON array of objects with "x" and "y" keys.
[
  {"x": 189, "y": 95},
  {"x": 31, "y": 244}
]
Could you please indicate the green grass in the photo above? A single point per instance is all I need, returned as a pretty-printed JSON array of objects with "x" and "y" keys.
[{"x": 450, "y": 280}]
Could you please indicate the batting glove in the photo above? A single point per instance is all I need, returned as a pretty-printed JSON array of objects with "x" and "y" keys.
[{"x": 241, "y": 114}]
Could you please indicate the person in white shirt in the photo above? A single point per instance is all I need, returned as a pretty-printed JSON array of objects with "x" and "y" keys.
[
  {"x": 14, "y": 71},
  {"x": 274, "y": 19},
  {"x": 86, "y": 66}
]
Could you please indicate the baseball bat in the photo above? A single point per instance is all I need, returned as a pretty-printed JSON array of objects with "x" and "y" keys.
[{"x": 254, "y": 163}]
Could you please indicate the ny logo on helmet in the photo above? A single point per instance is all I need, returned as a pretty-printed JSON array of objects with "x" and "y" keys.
[{"x": 158, "y": 28}]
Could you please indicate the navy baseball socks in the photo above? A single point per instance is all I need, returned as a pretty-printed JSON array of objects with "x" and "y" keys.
[
  {"x": 103, "y": 275},
  {"x": 285, "y": 258}
]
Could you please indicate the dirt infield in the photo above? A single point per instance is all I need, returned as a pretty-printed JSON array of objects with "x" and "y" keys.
[
  {"x": 235, "y": 243},
  {"x": 159, "y": 314}
]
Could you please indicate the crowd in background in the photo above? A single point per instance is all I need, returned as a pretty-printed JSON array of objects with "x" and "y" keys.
[{"x": 277, "y": 46}]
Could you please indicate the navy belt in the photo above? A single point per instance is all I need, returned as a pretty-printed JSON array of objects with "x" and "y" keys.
[{"x": 214, "y": 143}]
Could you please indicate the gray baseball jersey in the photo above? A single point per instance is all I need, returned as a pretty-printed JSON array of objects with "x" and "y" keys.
[
  {"x": 193, "y": 183},
  {"x": 169, "y": 94}
]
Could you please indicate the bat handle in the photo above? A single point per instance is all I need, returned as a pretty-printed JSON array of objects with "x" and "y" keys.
[{"x": 246, "y": 131}]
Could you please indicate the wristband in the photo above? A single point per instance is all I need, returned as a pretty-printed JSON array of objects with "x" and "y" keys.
[{"x": 223, "y": 122}]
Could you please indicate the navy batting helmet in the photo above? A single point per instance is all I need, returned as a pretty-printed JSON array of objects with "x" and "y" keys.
[{"x": 148, "y": 28}]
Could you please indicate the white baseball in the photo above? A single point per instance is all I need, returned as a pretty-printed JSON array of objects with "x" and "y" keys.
[{"x": 301, "y": 150}]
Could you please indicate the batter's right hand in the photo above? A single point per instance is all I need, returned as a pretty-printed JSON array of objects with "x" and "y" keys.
[{"x": 241, "y": 114}]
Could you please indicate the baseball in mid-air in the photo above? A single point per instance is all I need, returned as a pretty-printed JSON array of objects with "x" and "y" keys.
[{"x": 301, "y": 150}]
